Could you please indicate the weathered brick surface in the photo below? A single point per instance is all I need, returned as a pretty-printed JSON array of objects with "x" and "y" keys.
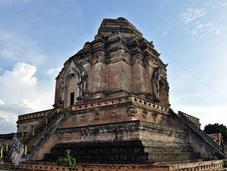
[
  {"x": 124, "y": 142},
  {"x": 121, "y": 112},
  {"x": 117, "y": 61},
  {"x": 193, "y": 166}
]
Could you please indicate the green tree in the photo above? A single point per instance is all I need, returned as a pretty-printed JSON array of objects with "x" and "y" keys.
[
  {"x": 216, "y": 128},
  {"x": 225, "y": 163},
  {"x": 67, "y": 160}
]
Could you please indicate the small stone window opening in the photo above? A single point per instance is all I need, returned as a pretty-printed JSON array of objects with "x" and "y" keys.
[
  {"x": 72, "y": 98},
  {"x": 162, "y": 93}
]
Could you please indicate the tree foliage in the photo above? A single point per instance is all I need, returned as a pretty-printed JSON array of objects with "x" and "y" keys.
[
  {"x": 216, "y": 128},
  {"x": 67, "y": 160},
  {"x": 225, "y": 163}
]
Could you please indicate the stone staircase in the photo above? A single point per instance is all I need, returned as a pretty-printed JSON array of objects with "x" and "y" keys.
[
  {"x": 219, "y": 151},
  {"x": 171, "y": 152},
  {"x": 42, "y": 132}
]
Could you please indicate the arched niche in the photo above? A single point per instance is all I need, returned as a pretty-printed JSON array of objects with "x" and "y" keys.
[
  {"x": 72, "y": 90},
  {"x": 160, "y": 87},
  {"x": 73, "y": 84}
]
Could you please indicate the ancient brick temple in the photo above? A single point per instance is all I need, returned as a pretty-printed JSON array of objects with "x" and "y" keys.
[{"x": 112, "y": 106}]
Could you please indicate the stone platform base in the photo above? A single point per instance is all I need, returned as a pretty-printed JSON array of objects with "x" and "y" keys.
[
  {"x": 191, "y": 166},
  {"x": 132, "y": 142}
]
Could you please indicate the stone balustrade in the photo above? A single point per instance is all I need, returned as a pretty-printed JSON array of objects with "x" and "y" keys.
[
  {"x": 197, "y": 166},
  {"x": 100, "y": 103},
  {"x": 144, "y": 103},
  {"x": 107, "y": 102},
  {"x": 34, "y": 115},
  {"x": 193, "y": 119},
  {"x": 218, "y": 149}
]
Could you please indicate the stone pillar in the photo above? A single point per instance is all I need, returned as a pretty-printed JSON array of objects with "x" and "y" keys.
[
  {"x": 138, "y": 74},
  {"x": 97, "y": 83}
]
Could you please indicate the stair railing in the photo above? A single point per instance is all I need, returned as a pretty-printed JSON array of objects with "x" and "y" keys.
[{"x": 202, "y": 134}]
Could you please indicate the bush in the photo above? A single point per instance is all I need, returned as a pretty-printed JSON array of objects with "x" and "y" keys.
[
  {"x": 216, "y": 128},
  {"x": 225, "y": 163},
  {"x": 67, "y": 160}
]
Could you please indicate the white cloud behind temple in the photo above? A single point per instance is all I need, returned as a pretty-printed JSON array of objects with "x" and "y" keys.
[{"x": 21, "y": 93}]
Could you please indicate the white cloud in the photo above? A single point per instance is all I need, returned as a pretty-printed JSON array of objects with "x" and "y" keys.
[
  {"x": 194, "y": 32},
  {"x": 224, "y": 4},
  {"x": 191, "y": 14},
  {"x": 6, "y": 126},
  {"x": 53, "y": 72},
  {"x": 22, "y": 92},
  {"x": 2, "y": 102},
  {"x": 15, "y": 48},
  {"x": 21, "y": 73},
  {"x": 215, "y": 29},
  {"x": 203, "y": 28}
]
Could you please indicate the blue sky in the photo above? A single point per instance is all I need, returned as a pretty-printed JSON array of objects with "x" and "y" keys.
[{"x": 37, "y": 36}]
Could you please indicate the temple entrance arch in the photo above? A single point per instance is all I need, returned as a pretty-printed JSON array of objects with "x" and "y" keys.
[
  {"x": 72, "y": 90},
  {"x": 73, "y": 84}
]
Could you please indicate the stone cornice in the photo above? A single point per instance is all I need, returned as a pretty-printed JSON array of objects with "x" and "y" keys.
[
  {"x": 131, "y": 125},
  {"x": 142, "y": 103},
  {"x": 127, "y": 126}
]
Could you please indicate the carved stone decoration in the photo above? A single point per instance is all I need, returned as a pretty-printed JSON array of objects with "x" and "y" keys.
[
  {"x": 131, "y": 111},
  {"x": 80, "y": 72},
  {"x": 154, "y": 115},
  {"x": 144, "y": 113},
  {"x": 16, "y": 152},
  {"x": 137, "y": 57},
  {"x": 155, "y": 81},
  {"x": 145, "y": 61},
  {"x": 107, "y": 59},
  {"x": 97, "y": 116},
  {"x": 159, "y": 80},
  {"x": 170, "y": 133},
  {"x": 113, "y": 115},
  {"x": 83, "y": 118}
]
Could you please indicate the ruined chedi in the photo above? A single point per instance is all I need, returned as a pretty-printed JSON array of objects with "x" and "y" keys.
[{"x": 112, "y": 106}]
